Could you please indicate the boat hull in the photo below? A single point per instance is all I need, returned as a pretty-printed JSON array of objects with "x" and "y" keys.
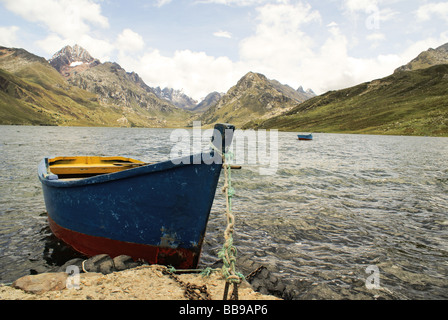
[
  {"x": 91, "y": 246},
  {"x": 157, "y": 212},
  {"x": 308, "y": 137}
]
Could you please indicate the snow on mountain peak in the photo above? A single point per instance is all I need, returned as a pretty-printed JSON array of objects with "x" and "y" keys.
[{"x": 76, "y": 63}]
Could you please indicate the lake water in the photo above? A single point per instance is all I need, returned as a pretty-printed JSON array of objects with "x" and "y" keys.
[{"x": 336, "y": 206}]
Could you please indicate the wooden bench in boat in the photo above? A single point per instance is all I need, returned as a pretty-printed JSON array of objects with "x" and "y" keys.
[{"x": 71, "y": 167}]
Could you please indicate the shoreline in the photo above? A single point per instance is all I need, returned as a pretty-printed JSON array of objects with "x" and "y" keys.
[
  {"x": 146, "y": 282},
  {"x": 373, "y": 133}
]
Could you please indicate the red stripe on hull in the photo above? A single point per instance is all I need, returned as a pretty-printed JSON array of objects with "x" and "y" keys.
[{"x": 92, "y": 245}]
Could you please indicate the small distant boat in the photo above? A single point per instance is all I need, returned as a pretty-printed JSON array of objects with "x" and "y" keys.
[
  {"x": 156, "y": 212},
  {"x": 306, "y": 137}
]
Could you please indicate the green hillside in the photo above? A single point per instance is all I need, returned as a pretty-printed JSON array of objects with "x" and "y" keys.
[
  {"x": 405, "y": 103},
  {"x": 40, "y": 97},
  {"x": 32, "y": 92}
]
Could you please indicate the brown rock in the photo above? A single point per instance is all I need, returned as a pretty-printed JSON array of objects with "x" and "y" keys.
[{"x": 42, "y": 283}]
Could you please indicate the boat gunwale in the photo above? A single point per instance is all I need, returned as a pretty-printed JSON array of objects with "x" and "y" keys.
[{"x": 44, "y": 174}]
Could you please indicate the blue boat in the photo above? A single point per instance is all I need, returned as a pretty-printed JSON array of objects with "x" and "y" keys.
[
  {"x": 306, "y": 137},
  {"x": 156, "y": 212}
]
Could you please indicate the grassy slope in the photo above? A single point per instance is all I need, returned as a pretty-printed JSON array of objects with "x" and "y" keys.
[
  {"x": 408, "y": 103},
  {"x": 38, "y": 95},
  {"x": 238, "y": 111}
]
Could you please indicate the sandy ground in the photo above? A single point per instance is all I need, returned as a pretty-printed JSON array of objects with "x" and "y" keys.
[{"x": 141, "y": 283}]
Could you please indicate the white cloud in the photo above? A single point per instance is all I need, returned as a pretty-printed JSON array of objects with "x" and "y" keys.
[
  {"x": 282, "y": 50},
  {"x": 98, "y": 48},
  {"x": 67, "y": 21},
  {"x": 196, "y": 73},
  {"x": 237, "y": 2},
  {"x": 360, "y": 5},
  {"x": 130, "y": 41},
  {"x": 376, "y": 37},
  {"x": 64, "y": 17},
  {"x": 278, "y": 36},
  {"x": 371, "y": 10},
  {"x": 8, "y": 36},
  {"x": 280, "y": 46},
  {"x": 160, "y": 3},
  {"x": 223, "y": 34},
  {"x": 387, "y": 14},
  {"x": 427, "y": 11},
  {"x": 53, "y": 43},
  {"x": 275, "y": 50},
  {"x": 334, "y": 68}
]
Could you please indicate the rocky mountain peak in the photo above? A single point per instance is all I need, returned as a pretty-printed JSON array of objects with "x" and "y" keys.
[
  {"x": 176, "y": 97},
  {"x": 310, "y": 91},
  {"x": 72, "y": 57},
  {"x": 253, "y": 97},
  {"x": 428, "y": 58},
  {"x": 443, "y": 47},
  {"x": 250, "y": 79},
  {"x": 210, "y": 100}
]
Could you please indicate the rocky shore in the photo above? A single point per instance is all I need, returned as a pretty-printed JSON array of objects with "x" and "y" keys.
[{"x": 121, "y": 278}]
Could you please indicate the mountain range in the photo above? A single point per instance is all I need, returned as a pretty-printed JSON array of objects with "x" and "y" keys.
[
  {"x": 74, "y": 88},
  {"x": 111, "y": 83},
  {"x": 254, "y": 97},
  {"x": 123, "y": 96}
]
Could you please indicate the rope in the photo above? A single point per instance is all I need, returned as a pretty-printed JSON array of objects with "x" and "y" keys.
[
  {"x": 203, "y": 272},
  {"x": 228, "y": 252}
]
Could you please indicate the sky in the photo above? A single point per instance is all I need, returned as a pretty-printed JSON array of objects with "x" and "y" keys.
[{"x": 201, "y": 46}]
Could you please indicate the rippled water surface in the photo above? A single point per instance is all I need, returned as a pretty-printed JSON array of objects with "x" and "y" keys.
[{"x": 335, "y": 206}]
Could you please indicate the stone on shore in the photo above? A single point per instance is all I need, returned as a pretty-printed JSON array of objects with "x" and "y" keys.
[
  {"x": 124, "y": 262},
  {"x": 101, "y": 263},
  {"x": 41, "y": 283}
]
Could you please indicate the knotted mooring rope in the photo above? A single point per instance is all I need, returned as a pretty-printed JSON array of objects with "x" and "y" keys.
[{"x": 228, "y": 252}]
